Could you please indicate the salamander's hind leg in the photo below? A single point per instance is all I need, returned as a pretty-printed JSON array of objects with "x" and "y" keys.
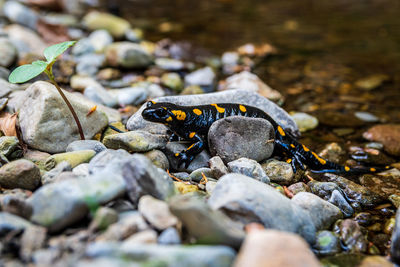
[{"x": 186, "y": 156}]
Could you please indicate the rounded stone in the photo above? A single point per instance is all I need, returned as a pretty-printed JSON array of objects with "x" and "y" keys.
[
  {"x": 20, "y": 173},
  {"x": 127, "y": 55},
  {"x": 8, "y": 53},
  {"x": 279, "y": 172}
]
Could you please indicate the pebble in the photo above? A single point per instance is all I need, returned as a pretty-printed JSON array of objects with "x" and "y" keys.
[
  {"x": 169, "y": 64},
  {"x": 80, "y": 82},
  {"x": 100, "y": 95},
  {"x": 82, "y": 47},
  {"x": 5, "y": 88},
  {"x": 332, "y": 152},
  {"x": 248, "y": 200},
  {"x": 156, "y": 212},
  {"x": 192, "y": 90},
  {"x": 383, "y": 185},
  {"x": 134, "y": 35},
  {"x": 33, "y": 238},
  {"x": 298, "y": 187},
  {"x": 143, "y": 178},
  {"x": 395, "y": 199},
  {"x": 217, "y": 166},
  {"x": 46, "y": 122},
  {"x": 20, "y": 14},
  {"x": 272, "y": 247},
  {"x": 204, "y": 77},
  {"x": 8, "y": 53},
  {"x": 100, "y": 39},
  {"x": 395, "y": 246},
  {"x": 16, "y": 205},
  {"x": 10, "y": 222},
  {"x": 78, "y": 145},
  {"x": 169, "y": 236},
  {"x": 20, "y": 173},
  {"x": 10, "y": 147},
  {"x": 144, "y": 237},
  {"x": 74, "y": 158},
  {"x": 116, "y": 26},
  {"x": 135, "y": 141},
  {"x": 352, "y": 237},
  {"x": 388, "y": 135},
  {"x": 89, "y": 64},
  {"x": 366, "y": 116},
  {"x": 304, "y": 121},
  {"x": 197, "y": 175},
  {"x": 158, "y": 158},
  {"x": 131, "y": 95},
  {"x": 50, "y": 176},
  {"x": 251, "y": 82},
  {"x": 103, "y": 218},
  {"x": 184, "y": 188},
  {"x": 25, "y": 40},
  {"x": 375, "y": 261},
  {"x": 207, "y": 226},
  {"x": 327, "y": 243},
  {"x": 137, "y": 122},
  {"x": 322, "y": 213},
  {"x": 127, "y": 55},
  {"x": 108, "y": 159},
  {"x": 172, "y": 80},
  {"x": 279, "y": 172},
  {"x": 250, "y": 168},
  {"x": 371, "y": 82},
  {"x": 240, "y": 137},
  {"x": 200, "y": 161}
]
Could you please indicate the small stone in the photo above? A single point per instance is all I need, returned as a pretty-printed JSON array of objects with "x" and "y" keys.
[
  {"x": 80, "y": 82},
  {"x": 16, "y": 205},
  {"x": 250, "y": 168},
  {"x": 279, "y": 172},
  {"x": 109, "y": 74},
  {"x": 20, "y": 14},
  {"x": 298, "y": 187},
  {"x": 371, "y": 82},
  {"x": 78, "y": 145},
  {"x": 8, "y": 53},
  {"x": 103, "y": 218},
  {"x": 217, "y": 166},
  {"x": 240, "y": 137},
  {"x": 134, "y": 35},
  {"x": 20, "y": 173},
  {"x": 10, "y": 222},
  {"x": 100, "y": 39},
  {"x": 192, "y": 90},
  {"x": 351, "y": 236},
  {"x": 271, "y": 248},
  {"x": 114, "y": 25},
  {"x": 388, "y": 135},
  {"x": 395, "y": 246},
  {"x": 50, "y": 176},
  {"x": 158, "y": 158},
  {"x": 127, "y": 55},
  {"x": 375, "y": 261},
  {"x": 332, "y": 152},
  {"x": 131, "y": 95},
  {"x": 74, "y": 158},
  {"x": 304, "y": 121},
  {"x": 89, "y": 64},
  {"x": 395, "y": 199},
  {"x": 169, "y": 236},
  {"x": 10, "y": 147},
  {"x": 366, "y": 116},
  {"x": 341, "y": 202},
  {"x": 172, "y": 80},
  {"x": 169, "y": 64},
  {"x": 185, "y": 188},
  {"x": 197, "y": 175},
  {"x": 81, "y": 170},
  {"x": 144, "y": 237},
  {"x": 135, "y": 141},
  {"x": 156, "y": 212},
  {"x": 210, "y": 185},
  {"x": 25, "y": 40},
  {"x": 204, "y": 77},
  {"x": 389, "y": 226},
  {"x": 327, "y": 243},
  {"x": 100, "y": 95},
  {"x": 33, "y": 239}
]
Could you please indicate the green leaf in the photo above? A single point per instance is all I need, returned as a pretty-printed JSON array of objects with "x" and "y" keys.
[
  {"x": 26, "y": 72},
  {"x": 52, "y": 52}
]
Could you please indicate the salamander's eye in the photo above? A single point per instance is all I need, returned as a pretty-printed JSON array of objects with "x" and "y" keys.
[{"x": 149, "y": 104}]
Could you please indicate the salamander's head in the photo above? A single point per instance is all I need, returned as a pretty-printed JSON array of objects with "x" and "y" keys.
[{"x": 158, "y": 112}]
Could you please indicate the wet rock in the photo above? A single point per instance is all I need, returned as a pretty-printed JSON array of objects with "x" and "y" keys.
[
  {"x": 10, "y": 147},
  {"x": 250, "y": 168},
  {"x": 169, "y": 236},
  {"x": 204, "y": 224},
  {"x": 74, "y": 158},
  {"x": 350, "y": 234},
  {"x": 158, "y": 158},
  {"x": 78, "y": 145},
  {"x": 46, "y": 122},
  {"x": 10, "y": 222},
  {"x": 204, "y": 77},
  {"x": 143, "y": 178},
  {"x": 116, "y": 26},
  {"x": 33, "y": 238},
  {"x": 395, "y": 247},
  {"x": 144, "y": 237},
  {"x": 388, "y": 135},
  {"x": 197, "y": 175},
  {"x": 137, "y": 122},
  {"x": 371, "y": 82},
  {"x": 383, "y": 185},
  {"x": 332, "y": 152},
  {"x": 25, "y": 40},
  {"x": 103, "y": 218},
  {"x": 100, "y": 95},
  {"x": 247, "y": 200},
  {"x": 8, "y": 53},
  {"x": 172, "y": 80},
  {"x": 327, "y": 243},
  {"x": 16, "y": 205},
  {"x": 18, "y": 13},
  {"x": 298, "y": 187},
  {"x": 20, "y": 173},
  {"x": 135, "y": 141},
  {"x": 271, "y": 248},
  {"x": 127, "y": 55},
  {"x": 366, "y": 116},
  {"x": 395, "y": 199},
  {"x": 156, "y": 212},
  {"x": 322, "y": 213},
  {"x": 201, "y": 160},
  {"x": 149, "y": 254},
  {"x": 239, "y": 137},
  {"x": 217, "y": 166},
  {"x": 279, "y": 172},
  {"x": 51, "y": 175},
  {"x": 131, "y": 95},
  {"x": 338, "y": 199},
  {"x": 250, "y": 82},
  {"x": 304, "y": 121},
  {"x": 4, "y": 73}
]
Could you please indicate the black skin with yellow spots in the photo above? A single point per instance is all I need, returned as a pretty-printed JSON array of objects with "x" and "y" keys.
[{"x": 191, "y": 123}]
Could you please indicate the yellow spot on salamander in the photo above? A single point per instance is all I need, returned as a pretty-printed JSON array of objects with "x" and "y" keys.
[
  {"x": 176, "y": 154},
  {"x": 387, "y": 167},
  {"x": 179, "y": 114},
  {"x": 242, "y": 108},
  {"x": 197, "y": 111},
  {"x": 346, "y": 168},
  {"x": 190, "y": 146},
  {"x": 153, "y": 102},
  {"x": 321, "y": 160},
  {"x": 191, "y": 135},
  {"x": 219, "y": 109},
  {"x": 281, "y": 131},
  {"x": 169, "y": 118},
  {"x": 292, "y": 145},
  {"x": 372, "y": 169},
  {"x": 306, "y": 149},
  {"x": 289, "y": 160}
]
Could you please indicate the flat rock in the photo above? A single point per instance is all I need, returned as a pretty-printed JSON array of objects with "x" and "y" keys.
[
  {"x": 247, "y": 200},
  {"x": 275, "y": 249},
  {"x": 240, "y": 137},
  {"x": 156, "y": 212},
  {"x": 137, "y": 122},
  {"x": 135, "y": 141},
  {"x": 46, "y": 122},
  {"x": 20, "y": 173},
  {"x": 116, "y": 26}
]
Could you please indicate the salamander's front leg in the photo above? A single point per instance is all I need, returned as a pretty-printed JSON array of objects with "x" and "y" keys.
[{"x": 186, "y": 156}]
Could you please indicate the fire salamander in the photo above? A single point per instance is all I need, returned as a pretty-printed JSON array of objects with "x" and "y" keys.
[{"x": 191, "y": 123}]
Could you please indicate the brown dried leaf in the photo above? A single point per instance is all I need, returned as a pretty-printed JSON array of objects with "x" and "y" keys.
[
  {"x": 52, "y": 33},
  {"x": 8, "y": 124}
]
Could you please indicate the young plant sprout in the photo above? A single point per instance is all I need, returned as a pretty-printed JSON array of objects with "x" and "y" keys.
[{"x": 26, "y": 72}]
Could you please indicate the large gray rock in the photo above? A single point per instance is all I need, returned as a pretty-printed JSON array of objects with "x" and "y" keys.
[
  {"x": 46, "y": 122},
  {"x": 395, "y": 248},
  {"x": 323, "y": 213},
  {"x": 240, "y": 137},
  {"x": 10, "y": 222},
  {"x": 137, "y": 122},
  {"x": 247, "y": 200}
]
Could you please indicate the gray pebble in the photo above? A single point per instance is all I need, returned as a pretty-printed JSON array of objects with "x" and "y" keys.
[{"x": 250, "y": 168}]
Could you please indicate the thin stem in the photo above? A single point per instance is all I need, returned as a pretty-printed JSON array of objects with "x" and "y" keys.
[{"x": 49, "y": 73}]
